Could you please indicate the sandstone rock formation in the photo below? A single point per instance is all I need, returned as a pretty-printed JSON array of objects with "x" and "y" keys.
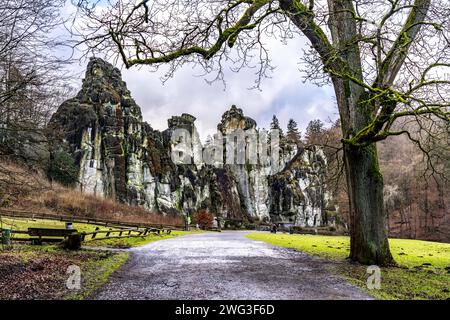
[{"x": 122, "y": 157}]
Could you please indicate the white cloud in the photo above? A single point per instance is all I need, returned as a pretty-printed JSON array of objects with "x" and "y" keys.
[{"x": 284, "y": 94}]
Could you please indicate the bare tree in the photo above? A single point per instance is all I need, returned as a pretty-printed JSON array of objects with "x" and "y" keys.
[
  {"x": 386, "y": 60},
  {"x": 32, "y": 84},
  {"x": 413, "y": 190}
]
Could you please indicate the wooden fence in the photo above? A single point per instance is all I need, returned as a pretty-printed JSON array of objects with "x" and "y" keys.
[
  {"x": 121, "y": 233},
  {"x": 117, "y": 229},
  {"x": 87, "y": 220},
  {"x": 91, "y": 236}
]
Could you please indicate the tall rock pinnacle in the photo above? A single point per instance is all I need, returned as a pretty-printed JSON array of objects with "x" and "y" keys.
[{"x": 120, "y": 156}]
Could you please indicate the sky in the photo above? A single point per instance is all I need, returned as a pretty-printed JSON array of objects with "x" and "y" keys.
[{"x": 285, "y": 94}]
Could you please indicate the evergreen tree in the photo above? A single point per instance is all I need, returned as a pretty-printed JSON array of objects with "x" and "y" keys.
[
  {"x": 313, "y": 131},
  {"x": 63, "y": 169},
  {"x": 275, "y": 125},
  {"x": 292, "y": 131}
]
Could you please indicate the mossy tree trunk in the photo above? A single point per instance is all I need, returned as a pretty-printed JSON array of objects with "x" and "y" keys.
[
  {"x": 369, "y": 243},
  {"x": 368, "y": 224}
]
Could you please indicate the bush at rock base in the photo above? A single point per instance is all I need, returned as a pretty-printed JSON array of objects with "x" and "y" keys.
[{"x": 203, "y": 218}]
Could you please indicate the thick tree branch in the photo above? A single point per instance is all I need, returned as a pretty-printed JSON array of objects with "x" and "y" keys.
[
  {"x": 229, "y": 35},
  {"x": 398, "y": 53},
  {"x": 303, "y": 18}
]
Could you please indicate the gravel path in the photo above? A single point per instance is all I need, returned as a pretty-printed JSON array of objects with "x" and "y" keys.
[{"x": 223, "y": 265}]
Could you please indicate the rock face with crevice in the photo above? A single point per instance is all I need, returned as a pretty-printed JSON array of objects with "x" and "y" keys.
[{"x": 122, "y": 157}]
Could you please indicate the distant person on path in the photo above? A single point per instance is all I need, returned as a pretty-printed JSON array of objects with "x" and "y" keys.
[{"x": 274, "y": 228}]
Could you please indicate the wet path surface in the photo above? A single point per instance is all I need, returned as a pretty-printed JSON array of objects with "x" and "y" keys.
[{"x": 223, "y": 265}]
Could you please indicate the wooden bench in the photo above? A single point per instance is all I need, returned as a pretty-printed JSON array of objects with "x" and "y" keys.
[{"x": 43, "y": 234}]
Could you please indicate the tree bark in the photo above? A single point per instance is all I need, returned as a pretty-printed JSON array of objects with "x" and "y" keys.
[
  {"x": 368, "y": 224},
  {"x": 369, "y": 240}
]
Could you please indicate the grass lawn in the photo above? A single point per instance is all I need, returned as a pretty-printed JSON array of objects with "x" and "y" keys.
[{"x": 423, "y": 270}]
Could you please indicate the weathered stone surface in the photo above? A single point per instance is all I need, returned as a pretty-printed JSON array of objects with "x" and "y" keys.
[
  {"x": 298, "y": 192},
  {"x": 122, "y": 157},
  {"x": 234, "y": 119}
]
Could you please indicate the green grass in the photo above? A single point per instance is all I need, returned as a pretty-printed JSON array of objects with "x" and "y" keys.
[
  {"x": 96, "y": 272},
  {"x": 23, "y": 224},
  {"x": 333, "y": 247},
  {"x": 421, "y": 271}
]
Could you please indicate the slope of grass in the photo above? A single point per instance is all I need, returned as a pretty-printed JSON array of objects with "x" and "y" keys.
[
  {"x": 422, "y": 272},
  {"x": 72, "y": 202},
  {"x": 31, "y": 191}
]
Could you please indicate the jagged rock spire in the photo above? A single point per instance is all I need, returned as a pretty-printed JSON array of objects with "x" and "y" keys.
[{"x": 122, "y": 157}]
